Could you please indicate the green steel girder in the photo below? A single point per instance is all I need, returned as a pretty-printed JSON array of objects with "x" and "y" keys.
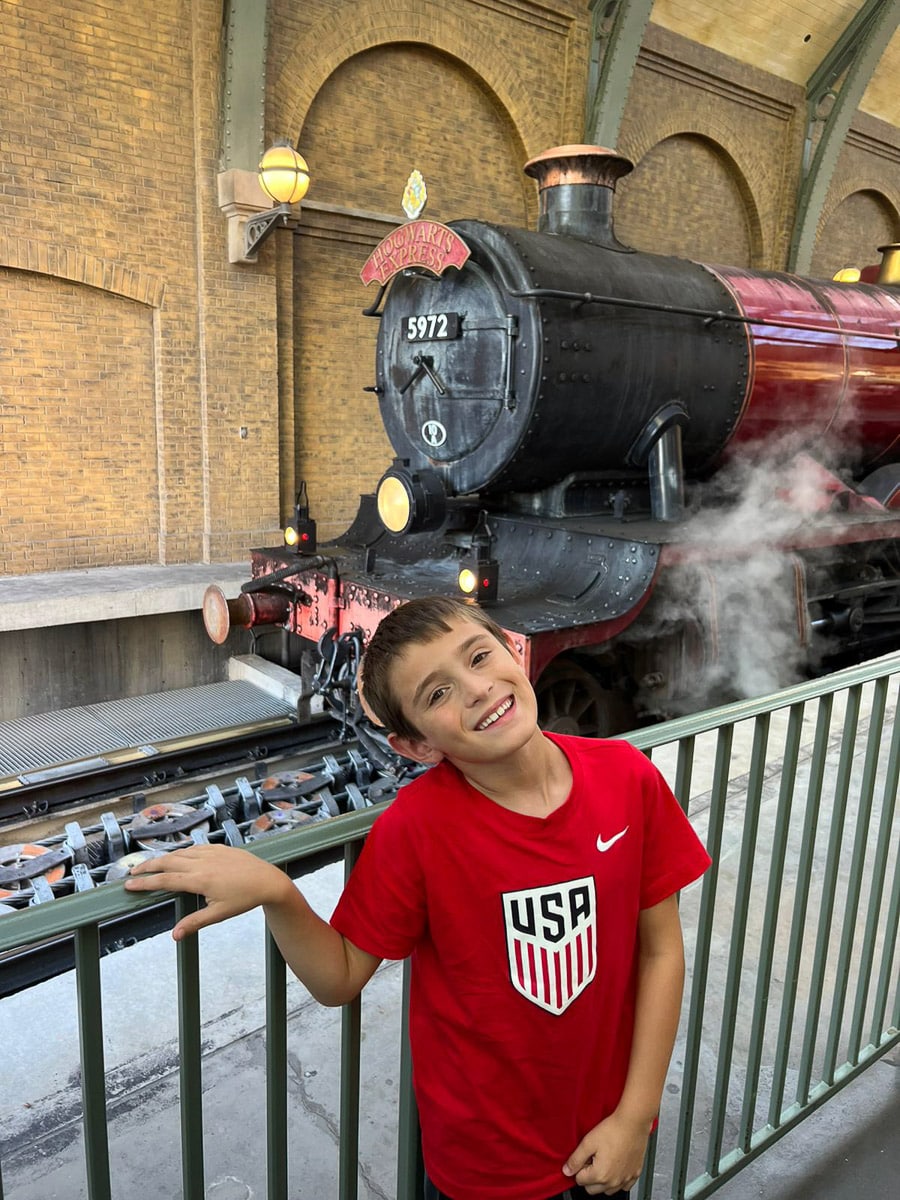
[
  {"x": 855, "y": 55},
  {"x": 244, "y": 85},
  {"x": 617, "y": 30}
]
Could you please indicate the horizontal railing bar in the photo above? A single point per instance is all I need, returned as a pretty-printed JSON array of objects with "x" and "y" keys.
[
  {"x": 706, "y": 1184},
  {"x": 112, "y": 900},
  {"x": 742, "y": 710}
]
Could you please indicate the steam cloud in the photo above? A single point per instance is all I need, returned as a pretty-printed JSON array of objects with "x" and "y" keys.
[{"x": 740, "y": 580}]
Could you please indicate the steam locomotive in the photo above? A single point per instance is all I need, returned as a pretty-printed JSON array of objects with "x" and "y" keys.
[{"x": 675, "y": 483}]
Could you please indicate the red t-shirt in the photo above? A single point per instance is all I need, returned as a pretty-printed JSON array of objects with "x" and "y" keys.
[{"x": 523, "y": 932}]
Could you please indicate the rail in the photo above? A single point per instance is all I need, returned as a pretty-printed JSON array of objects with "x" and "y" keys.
[{"x": 791, "y": 939}]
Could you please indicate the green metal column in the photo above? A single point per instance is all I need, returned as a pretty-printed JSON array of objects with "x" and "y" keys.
[
  {"x": 244, "y": 84},
  {"x": 617, "y": 30},
  {"x": 854, "y": 56}
]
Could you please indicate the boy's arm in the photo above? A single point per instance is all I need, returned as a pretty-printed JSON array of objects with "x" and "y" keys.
[
  {"x": 234, "y": 881},
  {"x": 611, "y": 1155}
]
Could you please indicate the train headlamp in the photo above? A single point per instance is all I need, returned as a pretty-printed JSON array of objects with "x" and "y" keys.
[{"x": 410, "y": 501}]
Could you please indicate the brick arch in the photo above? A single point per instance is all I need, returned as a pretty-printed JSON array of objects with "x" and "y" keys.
[
  {"x": 23, "y": 254},
  {"x": 848, "y": 185},
  {"x": 747, "y": 169},
  {"x": 379, "y": 22}
]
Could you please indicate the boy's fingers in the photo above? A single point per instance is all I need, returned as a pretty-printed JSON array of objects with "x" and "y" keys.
[
  {"x": 192, "y": 924},
  {"x": 579, "y": 1158}
]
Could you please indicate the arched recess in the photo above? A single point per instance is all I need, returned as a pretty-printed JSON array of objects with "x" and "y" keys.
[
  {"x": 79, "y": 486},
  {"x": 436, "y": 26},
  {"x": 470, "y": 153},
  {"x": 853, "y": 230},
  {"x": 688, "y": 197}
]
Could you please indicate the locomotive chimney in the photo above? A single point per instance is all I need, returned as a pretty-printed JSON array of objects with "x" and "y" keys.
[
  {"x": 890, "y": 263},
  {"x": 575, "y": 187}
]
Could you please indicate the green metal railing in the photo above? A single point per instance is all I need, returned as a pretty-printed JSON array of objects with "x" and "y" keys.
[{"x": 791, "y": 939}]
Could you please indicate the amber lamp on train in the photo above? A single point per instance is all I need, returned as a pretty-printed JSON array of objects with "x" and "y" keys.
[
  {"x": 300, "y": 535},
  {"x": 479, "y": 577},
  {"x": 480, "y": 582}
]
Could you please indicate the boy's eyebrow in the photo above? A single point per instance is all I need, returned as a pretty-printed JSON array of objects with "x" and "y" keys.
[{"x": 430, "y": 678}]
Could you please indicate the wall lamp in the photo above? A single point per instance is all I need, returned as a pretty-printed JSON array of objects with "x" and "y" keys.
[{"x": 283, "y": 177}]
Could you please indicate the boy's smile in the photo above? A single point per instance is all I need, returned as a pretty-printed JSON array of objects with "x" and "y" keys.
[{"x": 466, "y": 694}]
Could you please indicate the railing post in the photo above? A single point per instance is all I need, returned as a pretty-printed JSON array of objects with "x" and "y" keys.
[
  {"x": 276, "y": 1073},
  {"x": 93, "y": 1074},
  {"x": 190, "y": 1070},
  {"x": 410, "y": 1171},
  {"x": 351, "y": 1035}
]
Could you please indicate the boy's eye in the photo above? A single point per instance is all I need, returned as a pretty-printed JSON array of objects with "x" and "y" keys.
[
  {"x": 436, "y": 695},
  {"x": 479, "y": 656}
]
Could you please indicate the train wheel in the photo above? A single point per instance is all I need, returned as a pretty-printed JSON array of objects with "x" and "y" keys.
[{"x": 572, "y": 700}]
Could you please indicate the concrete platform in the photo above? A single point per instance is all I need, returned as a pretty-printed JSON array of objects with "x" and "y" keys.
[{"x": 55, "y": 598}]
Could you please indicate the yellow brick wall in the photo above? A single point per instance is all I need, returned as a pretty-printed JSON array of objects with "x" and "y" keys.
[
  {"x": 146, "y": 352},
  {"x": 160, "y": 404},
  {"x": 75, "y": 483}
]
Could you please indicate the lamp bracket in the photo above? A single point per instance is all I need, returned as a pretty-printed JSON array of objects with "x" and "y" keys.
[{"x": 262, "y": 225}]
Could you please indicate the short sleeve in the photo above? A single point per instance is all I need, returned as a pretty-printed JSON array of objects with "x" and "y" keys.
[
  {"x": 383, "y": 906},
  {"x": 673, "y": 854}
]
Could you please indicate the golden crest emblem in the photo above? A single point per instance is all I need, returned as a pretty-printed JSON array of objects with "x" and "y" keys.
[{"x": 415, "y": 195}]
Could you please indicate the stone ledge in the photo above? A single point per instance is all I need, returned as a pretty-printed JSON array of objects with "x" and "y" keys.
[{"x": 54, "y": 598}]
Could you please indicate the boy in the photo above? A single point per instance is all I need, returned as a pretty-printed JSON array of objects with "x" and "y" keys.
[{"x": 533, "y": 879}]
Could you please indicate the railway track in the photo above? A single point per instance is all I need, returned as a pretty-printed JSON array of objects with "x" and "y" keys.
[
  {"x": 51, "y": 856},
  {"x": 38, "y": 793}
]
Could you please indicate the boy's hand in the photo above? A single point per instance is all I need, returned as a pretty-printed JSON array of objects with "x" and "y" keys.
[
  {"x": 231, "y": 881},
  {"x": 610, "y": 1157}
]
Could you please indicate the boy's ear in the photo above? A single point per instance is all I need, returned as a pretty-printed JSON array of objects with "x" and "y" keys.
[{"x": 415, "y": 748}]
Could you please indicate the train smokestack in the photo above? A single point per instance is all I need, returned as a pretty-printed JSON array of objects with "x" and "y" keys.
[{"x": 576, "y": 186}]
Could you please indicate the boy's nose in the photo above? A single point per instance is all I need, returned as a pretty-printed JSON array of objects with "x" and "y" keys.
[{"x": 477, "y": 688}]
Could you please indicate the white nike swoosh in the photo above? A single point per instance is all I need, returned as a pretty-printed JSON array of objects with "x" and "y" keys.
[{"x": 603, "y": 846}]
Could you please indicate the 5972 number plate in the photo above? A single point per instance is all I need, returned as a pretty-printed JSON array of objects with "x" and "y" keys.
[{"x": 432, "y": 327}]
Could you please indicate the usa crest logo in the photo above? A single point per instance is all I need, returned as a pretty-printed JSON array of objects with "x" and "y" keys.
[{"x": 551, "y": 941}]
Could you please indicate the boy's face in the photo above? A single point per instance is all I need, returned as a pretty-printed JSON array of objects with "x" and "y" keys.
[{"x": 467, "y": 695}]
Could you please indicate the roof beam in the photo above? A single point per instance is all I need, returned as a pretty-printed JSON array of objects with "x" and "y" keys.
[
  {"x": 617, "y": 31},
  {"x": 855, "y": 55}
]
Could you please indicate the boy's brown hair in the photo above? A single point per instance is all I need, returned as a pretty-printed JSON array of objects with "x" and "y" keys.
[{"x": 415, "y": 622}]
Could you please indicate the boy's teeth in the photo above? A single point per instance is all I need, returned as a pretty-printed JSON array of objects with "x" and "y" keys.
[{"x": 504, "y": 707}]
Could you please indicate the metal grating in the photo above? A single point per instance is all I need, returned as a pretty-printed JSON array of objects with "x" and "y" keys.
[{"x": 29, "y": 743}]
